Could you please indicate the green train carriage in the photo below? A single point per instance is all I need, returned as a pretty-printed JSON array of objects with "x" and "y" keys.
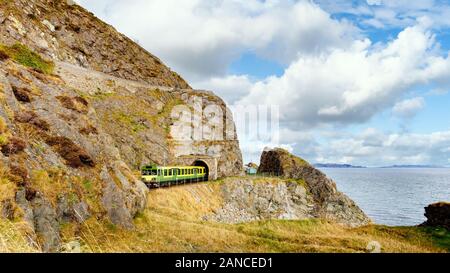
[{"x": 156, "y": 176}]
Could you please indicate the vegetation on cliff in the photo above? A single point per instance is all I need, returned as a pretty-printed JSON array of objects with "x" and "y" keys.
[
  {"x": 24, "y": 56},
  {"x": 173, "y": 222}
]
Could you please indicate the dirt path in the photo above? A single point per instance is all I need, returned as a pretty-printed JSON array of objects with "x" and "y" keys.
[{"x": 94, "y": 82}]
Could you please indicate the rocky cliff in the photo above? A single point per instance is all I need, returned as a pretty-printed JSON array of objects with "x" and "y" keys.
[
  {"x": 82, "y": 108},
  {"x": 328, "y": 202},
  {"x": 438, "y": 215},
  {"x": 62, "y": 31}
]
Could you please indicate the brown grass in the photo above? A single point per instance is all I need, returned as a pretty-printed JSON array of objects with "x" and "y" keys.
[
  {"x": 3, "y": 56},
  {"x": 88, "y": 130},
  {"x": 77, "y": 104},
  {"x": 3, "y": 126},
  {"x": 22, "y": 94},
  {"x": 15, "y": 145},
  {"x": 32, "y": 118},
  {"x": 173, "y": 223},
  {"x": 7, "y": 188},
  {"x": 74, "y": 155},
  {"x": 19, "y": 174},
  {"x": 13, "y": 238}
]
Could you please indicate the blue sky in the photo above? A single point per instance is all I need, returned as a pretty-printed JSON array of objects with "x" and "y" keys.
[{"x": 359, "y": 82}]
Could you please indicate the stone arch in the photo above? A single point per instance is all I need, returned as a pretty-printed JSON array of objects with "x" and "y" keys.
[
  {"x": 202, "y": 163},
  {"x": 211, "y": 163}
]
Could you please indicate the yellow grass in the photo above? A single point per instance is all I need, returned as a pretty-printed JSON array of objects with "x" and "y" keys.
[
  {"x": 13, "y": 240},
  {"x": 173, "y": 223}
]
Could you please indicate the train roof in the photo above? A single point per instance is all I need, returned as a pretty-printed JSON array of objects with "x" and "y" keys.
[{"x": 172, "y": 167}]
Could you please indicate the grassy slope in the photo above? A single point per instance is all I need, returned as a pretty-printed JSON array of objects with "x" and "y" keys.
[{"x": 172, "y": 223}]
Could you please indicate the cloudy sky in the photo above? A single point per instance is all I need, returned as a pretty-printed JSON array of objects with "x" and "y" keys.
[{"x": 359, "y": 82}]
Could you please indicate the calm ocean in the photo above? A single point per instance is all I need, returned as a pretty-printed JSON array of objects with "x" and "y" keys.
[{"x": 394, "y": 197}]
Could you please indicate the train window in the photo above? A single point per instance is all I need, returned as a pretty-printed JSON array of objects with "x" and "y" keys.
[
  {"x": 165, "y": 172},
  {"x": 159, "y": 172}
]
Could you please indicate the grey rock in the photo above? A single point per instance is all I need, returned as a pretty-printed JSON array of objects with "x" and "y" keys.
[
  {"x": 63, "y": 210},
  {"x": 113, "y": 201},
  {"x": 248, "y": 200},
  {"x": 7, "y": 209},
  {"x": 329, "y": 203},
  {"x": 2, "y": 17},
  {"x": 81, "y": 212},
  {"x": 26, "y": 207},
  {"x": 46, "y": 224}
]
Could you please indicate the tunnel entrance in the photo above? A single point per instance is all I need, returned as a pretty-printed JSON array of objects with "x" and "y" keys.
[{"x": 201, "y": 163}]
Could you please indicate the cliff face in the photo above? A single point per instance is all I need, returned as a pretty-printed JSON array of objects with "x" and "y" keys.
[
  {"x": 438, "y": 215},
  {"x": 82, "y": 109},
  {"x": 65, "y": 32},
  {"x": 328, "y": 203}
]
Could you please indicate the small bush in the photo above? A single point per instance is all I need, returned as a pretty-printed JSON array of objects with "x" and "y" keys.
[
  {"x": 26, "y": 57},
  {"x": 75, "y": 156},
  {"x": 20, "y": 175},
  {"x": 32, "y": 118},
  {"x": 77, "y": 104},
  {"x": 3, "y": 55},
  {"x": 88, "y": 130},
  {"x": 15, "y": 145},
  {"x": 22, "y": 94}
]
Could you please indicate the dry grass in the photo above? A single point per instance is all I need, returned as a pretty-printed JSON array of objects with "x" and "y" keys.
[
  {"x": 75, "y": 156},
  {"x": 7, "y": 187},
  {"x": 172, "y": 223},
  {"x": 13, "y": 238},
  {"x": 3, "y": 126}
]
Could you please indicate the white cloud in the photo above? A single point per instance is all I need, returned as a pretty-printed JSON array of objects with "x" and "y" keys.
[
  {"x": 390, "y": 149},
  {"x": 352, "y": 85},
  {"x": 200, "y": 38},
  {"x": 333, "y": 76},
  {"x": 231, "y": 88},
  {"x": 408, "y": 108},
  {"x": 374, "y": 2}
]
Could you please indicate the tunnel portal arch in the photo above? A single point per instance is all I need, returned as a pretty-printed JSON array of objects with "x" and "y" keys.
[
  {"x": 202, "y": 163},
  {"x": 210, "y": 163}
]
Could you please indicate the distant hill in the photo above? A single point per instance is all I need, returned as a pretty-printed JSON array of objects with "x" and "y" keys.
[
  {"x": 339, "y": 166},
  {"x": 412, "y": 167}
]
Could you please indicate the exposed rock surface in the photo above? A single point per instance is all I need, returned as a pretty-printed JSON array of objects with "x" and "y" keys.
[
  {"x": 329, "y": 203},
  {"x": 247, "y": 199},
  {"x": 73, "y": 138},
  {"x": 69, "y": 33},
  {"x": 438, "y": 215}
]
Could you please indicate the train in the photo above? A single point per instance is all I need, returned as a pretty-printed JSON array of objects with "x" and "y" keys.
[{"x": 156, "y": 176}]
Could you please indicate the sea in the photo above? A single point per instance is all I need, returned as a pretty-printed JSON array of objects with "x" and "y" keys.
[{"x": 393, "y": 196}]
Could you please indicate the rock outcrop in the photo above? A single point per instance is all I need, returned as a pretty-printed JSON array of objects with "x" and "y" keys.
[
  {"x": 329, "y": 203},
  {"x": 438, "y": 215},
  {"x": 65, "y": 32},
  {"x": 249, "y": 199},
  {"x": 82, "y": 109}
]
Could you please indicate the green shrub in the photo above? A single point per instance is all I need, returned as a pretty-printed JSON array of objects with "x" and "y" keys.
[{"x": 25, "y": 56}]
